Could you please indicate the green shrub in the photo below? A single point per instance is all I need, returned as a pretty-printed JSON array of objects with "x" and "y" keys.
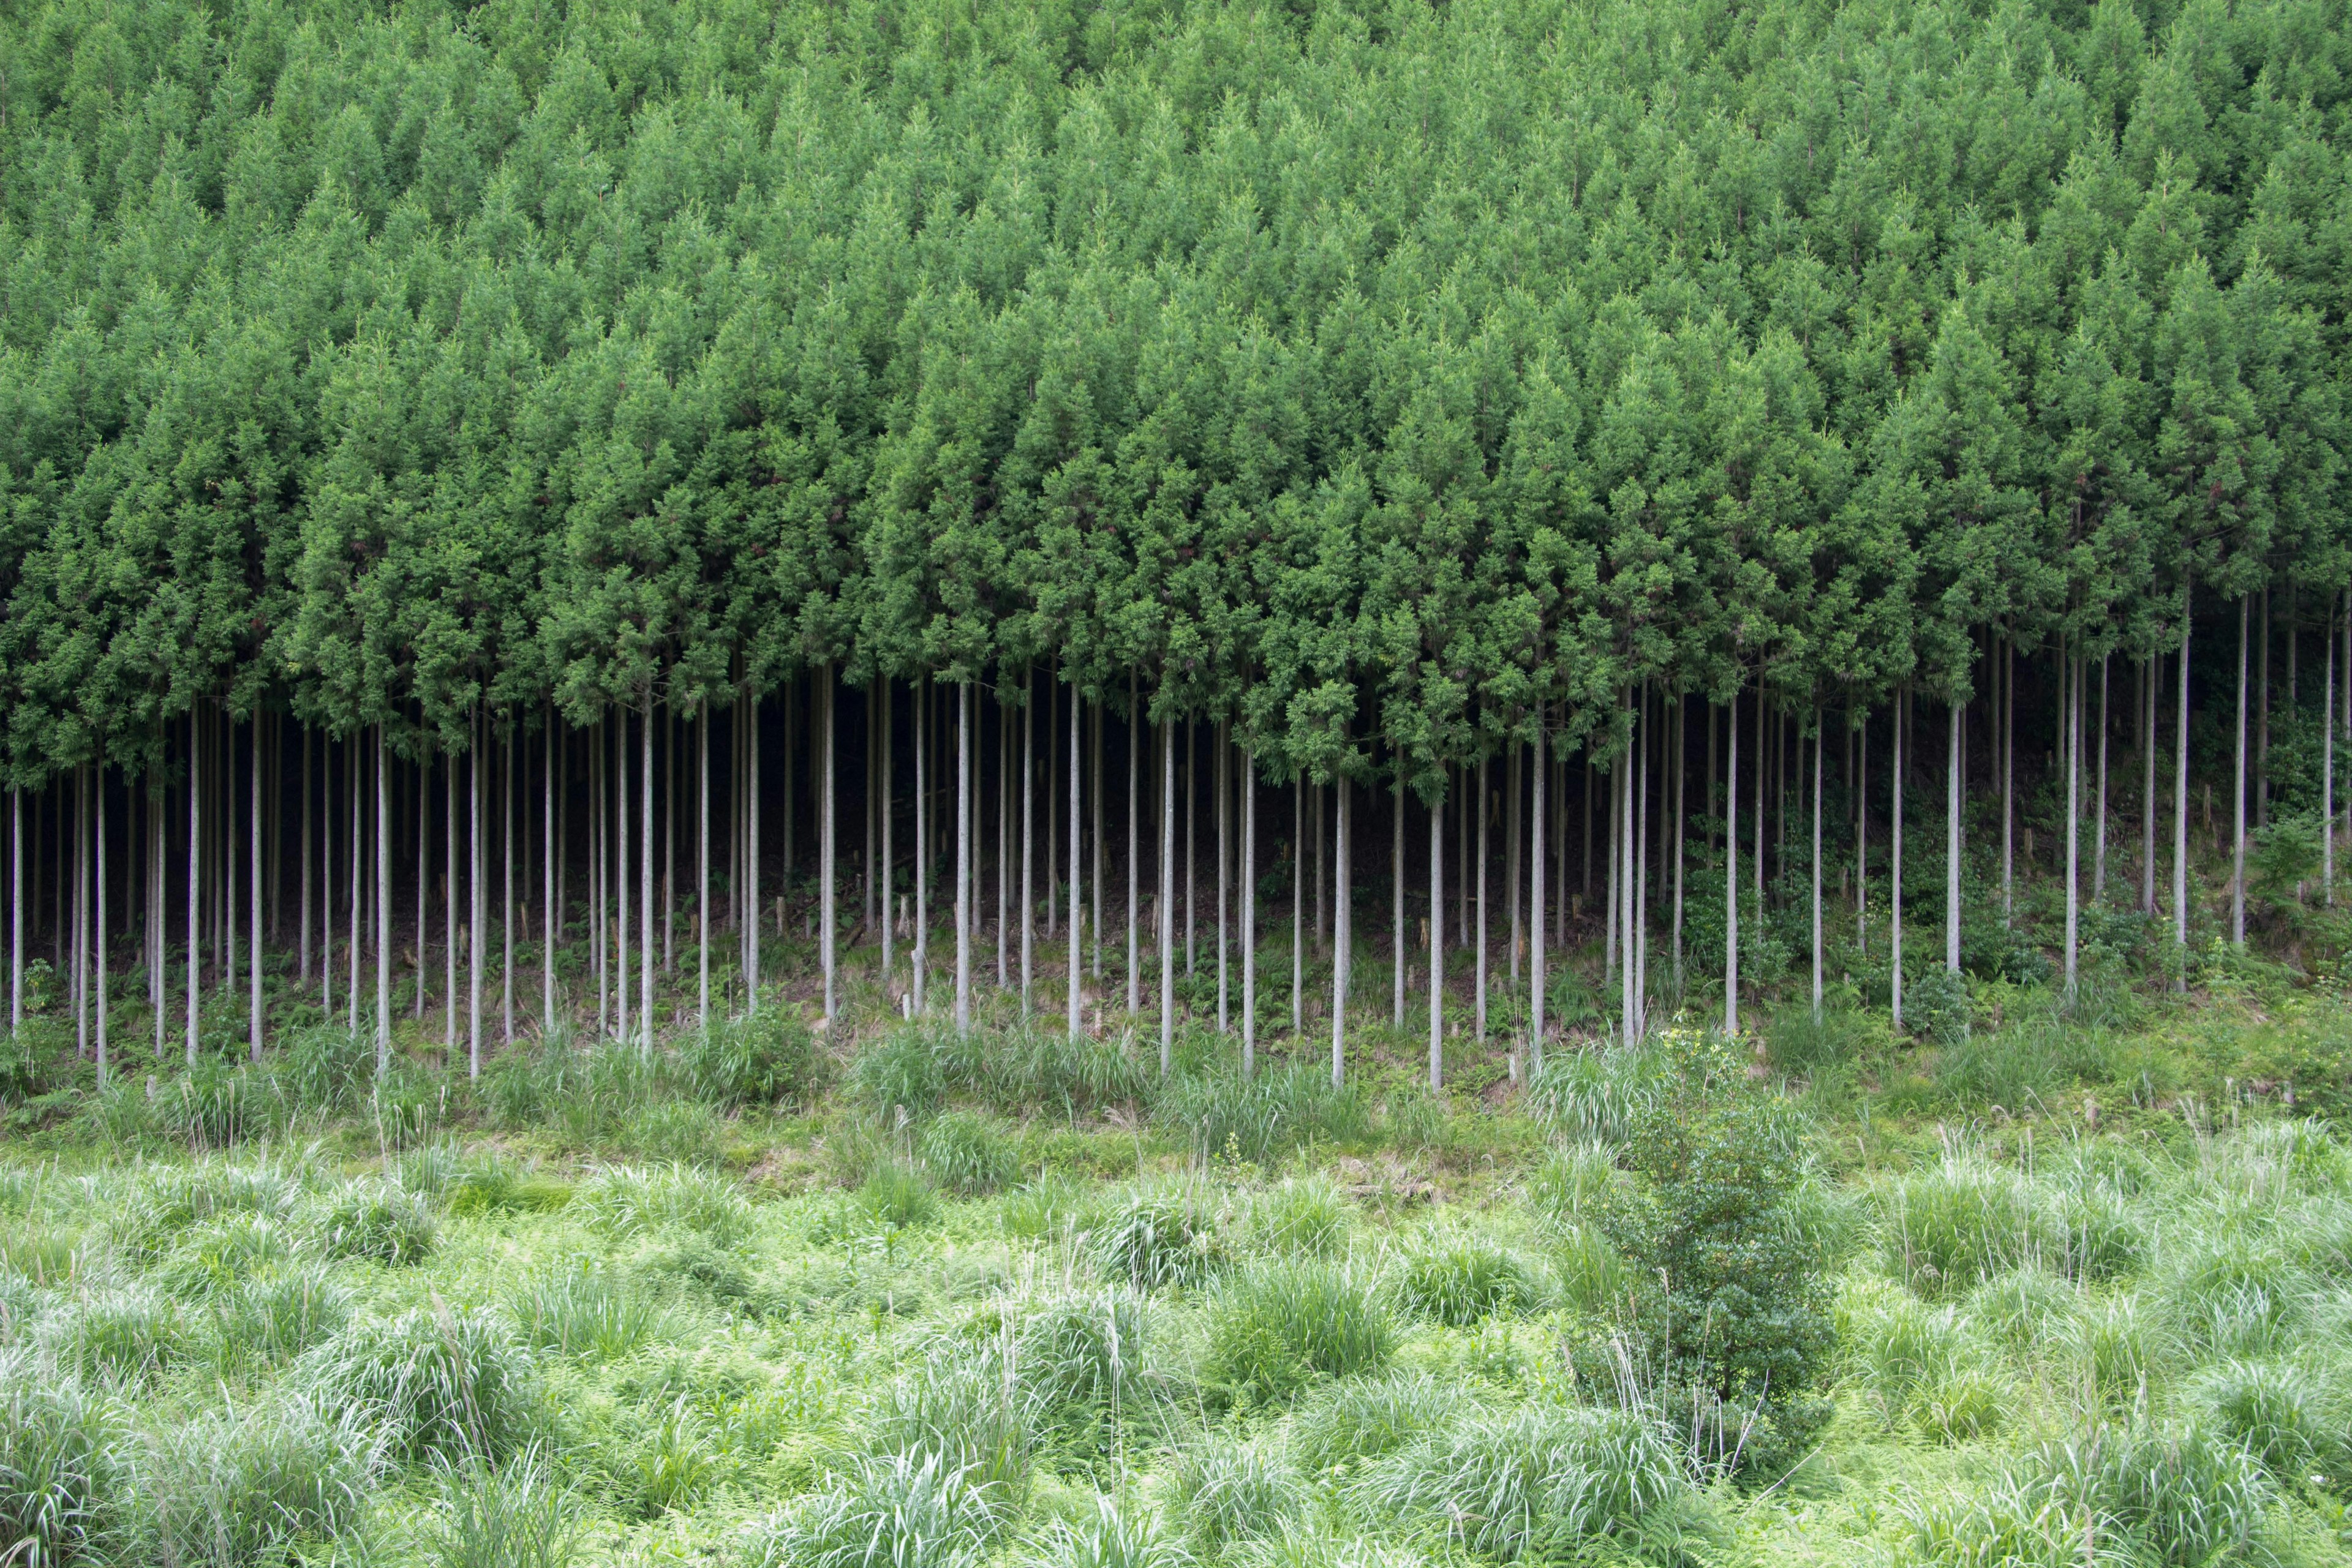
[
  {"x": 1305, "y": 1215},
  {"x": 759, "y": 1059},
  {"x": 1456, "y": 1278},
  {"x": 218, "y": 1254},
  {"x": 582, "y": 1309},
  {"x": 1261, "y": 1118},
  {"x": 63, "y": 1475},
  {"x": 967, "y": 1155},
  {"x": 441, "y": 1384},
  {"x": 378, "y": 1221},
  {"x": 1160, "y": 1237},
  {"x": 167, "y": 1201},
  {"x": 1594, "y": 1277},
  {"x": 1533, "y": 1484},
  {"x": 674, "y": 1131},
  {"x": 902, "y": 1510},
  {"x": 1276, "y": 1327},
  {"x": 637, "y": 1200},
  {"x": 236, "y": 1487},
  {"x": 1935, "y": 1005},
  {"x": 513, "y": 1515},
  {"x": 1359, "y": 1419},
  {"x": 325, "y": 1071}
]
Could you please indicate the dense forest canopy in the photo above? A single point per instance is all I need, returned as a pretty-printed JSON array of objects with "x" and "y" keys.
[{"x": 1348, "y": 370}]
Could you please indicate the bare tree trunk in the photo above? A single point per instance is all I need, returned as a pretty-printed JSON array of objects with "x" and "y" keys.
[
  {"x": 963, "y": 861},
  {"x": 1028, "y": 836},
  {"x": 1192, "y": 855},
  {"x": 195, "y": 889},
  {"x": 669, "y": 836},
  {"x": 305, "y": 939},
  {"x": 922, "y": 945},
  {"x": 326, "y": 814},
  {"x": 1511, "y": 823},
  {"x": 1343, "y": 931},
  {"x": 1396, "y": 900},
  {"x": 547, "y": 872},
  {"x": 1297, "y": 905},
  {"x": 827, "y": 830},
  {"x": 1731, "y": 871},
  {"x": 356, "y": 750},
  {"x": 1639, "y": 953},
  {"x": 702, "y": 860},
  {"x": 1895, "y": 869},
  {"x": 2008, "y": 780},
  {"x": 1167, "y": 886},
  {"x": 1862, "y": 835},
  {"x": 253, "y": 922},
  {"x": 2327, "y": 771},
  {"x": 1249, "y": 914},
  {"x": 383, "y": 907},
  {"x": 1478, "y": 1005},
  {"x": 2238, "y": 826},
  {"x": 1135, "y": 742},
  {"x": 2099, "y": 839},
  {"x": 1954, "y": 717},
  {"x": 1614, "y": 896},
  {"x": 506, "y": 905},
  {"x": 98, "y": 940},
  {"x": 871, "y": 889},
  {"x": 1003, "y": 836},
  {"x": 1629, "y": 978},
  {"x": 1536, "y": 998},
  {"x": 2180, "y": 806},
  {"x": 1437, "y": 945},
  {"x": 475, "y": 902},
  {"x": 2262, "y": 805},
  {"x": 645, "y": 870},
  {"x": 1077, "y": 903},
  {"x": 1221, "y": 779},
  {"x": 423, "y": 888},
  {"x": 2148, "y": 672},
  {"x": 592, "y": 743},
  {"x": 621, "y": 866},
  {"x": 1094, "y": 764},
  {"x": 1817, "y": 861},
  {"x": 1680, "y": 750},
  {"x": 2074, "y": 720},
  {"x": 16, "y": 907},
  {"x": 1053, "y": 813},
  {"x": 889, "y": 915},
  {"x": 752, "y": 845}
]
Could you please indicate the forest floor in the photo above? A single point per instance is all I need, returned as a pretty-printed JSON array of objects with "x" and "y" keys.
[{"x": 2082, "y": 1281}]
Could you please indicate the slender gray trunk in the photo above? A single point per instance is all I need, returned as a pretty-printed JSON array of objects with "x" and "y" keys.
[
  {"x": 2180, "y": 806},
  {"x": 547, "y": 873},
  {"x": 889, "y": 915},
  {"x": 669, "y": 835},
  {"x": 1731, "y": 873},
  {"x": 1678, "y": 750},
  {"x": 621, "y": 866},
  {"x": 474, "y": 901},
  {"x": 1077, "y": 904},
  {"x": 1028, "y": 835},
  {"x": 16, "y": 907},
  {"x": 1954, "y": 763},
  {"x": 98, "y": 919},
  {"x": 2327, "y": 772},
  {"x": 1221, "y": 778},
  {"x": 253, "y": 915},
  {"x": 1817, "y": 861},
  {"x": 1511, "y": 828},
  {"x": 2238, "y": 792},
  {"x": 1134, "y": 733},
  {"x": 2073, "y": 717},
  {"x": 752, "y": 846},
  {"x": 1167, "y": 886},
  {"x": 1249, "y": 914},
  {"x": 1094, "y": 766},
  {"x": 964, "y": 859},
  {"x": 702, "y": 860},
  {"x": 304, "y": 940},
  {"x": 645, "y": 871},
  {"x": 1638, "y": 953},
  {"x": 1396, "y": 901},
  {"x": 1343, "y": 931},
  {"x": 423, "y": 888},
  {"x": 2008, "y": 780},
  {"x": 1297, "y": 905},
  {"x": 1192, "y": 854},
  {"x": 827, "y": 837},
  {"x": 1535, "y": 822},
  {"x": 1478, "y": 1005},
  {"x": 1437, "y": 945},
  {"x": 921, "y": 727},
  {"x": 1895, "y": 867},
  {"x": 195, "y": 891},
  {"x": 2149, "y": 672},
  {"x": 2099, "y": 824}
]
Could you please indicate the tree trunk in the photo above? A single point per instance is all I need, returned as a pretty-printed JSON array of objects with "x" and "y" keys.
[
  {"x": 1192, "y": 854},
  {"x": 645, "y": 872},
  {"x": 1221, "y": 779},
  {"x": 1894, "y": 869},
  {"x": 1437, "y": 945},
  {"x": 1297, "y": 905},
  {"x": 752, "y": 846},
  {"x": 2099, "y": 823},
  {"x": 1028, "y": 826},
  {"x": 97, "y": 916},
  {"x": 2327, "y": 772},
  {"x": 17, "y": 909},
  {"x": 1249, "y": 914},
  {"x": 2074, "y": 720},
  {"x": 870, "y": 888},
  {"x": 423, "y": 881},
  {"x": 1678, "y": 754},
  {"x": 621, "y": 866},
  {"x": 702, "y": 860},
  {"x": 591, "y": 740},
  {"x": 669, "y": 836},
  {"x": 1511, "y": 825},
  {"x": 2008, "y": 780},
  {"x": 1167, "y": 886},
  {"x": 253, "y": 915},
  {"x": 963, "y": 858},
  {"x": 326, "y": 814},
  {"x": 506, "y": 911},
  {"x": 1639, "y": 953},
  {"x": 2262, "y": 804},
  {"x": 1396, "y": 903},
  {"x": 1817, "y": 861},
  {"x": 474, "y": 902},
  {"x": 1134, "y": 733},
  {"x": 1478, "y": 966},
  {"x": 2148, "y": 670},
  {"x": 1629, "y": 872},
  {"x": 1731, "y": 872},
  {"x": 1077, "y": 918},
  {"x": 1094, "y": 767},
  {"x": 1955, "y": 716},
  {"x": 547, "y": 872},
  {"x": 195, "y": 894},
  {"x": 2180, "y": 806},
  {"x": 1611, "y": 924},
  {"x": 1862, "y": 836},
  {"x": 822, "y": 695},
  {"x": 1343, "y": 931},
  {"x": 304, "y": 941},
  {"x": 1541, "y": 770},
  {"x": 1003, "y": 829},
  {"x": 2238, "y": 823},
  {"x": 922, "y": 727}
]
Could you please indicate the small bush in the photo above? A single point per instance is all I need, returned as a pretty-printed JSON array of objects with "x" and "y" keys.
[
  {"x": 582, "y": 1310},
  {"x": 1534, "y": 1484},
  {"x": 1360, "y": 1419},
  {"x": 1303, "y": 1216},
  {"x": 967, "y": 1156},
  {"x": 1935, "y": 1005},
  {"x": 62, "y": 1474},
  {"x": 637, "y": 1200},
  {"x": 902, "y": 1510},
  {"x": 380, "y": 1222},
  {"x": 235, "y": 1487},
  {"x": 759, "y": 1059},
  {"x": 514, "y": 1515},
  {"x": 1158, "y": 1237},
  {"x": 445, "y": 1384},
  {"x": 1277, "y": 1327},
  {"x": 1454, "y": 1278}
]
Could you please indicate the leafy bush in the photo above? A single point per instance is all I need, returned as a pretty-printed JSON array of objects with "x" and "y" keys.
[
  {"x": 637, "y": 1200},
  {"x": 442, "y": 1383},
  {"x": 902, "y": 1510},
  {"x": 1264, "y": 1117},
  {"x": 1936, "y": 1007},
  {"x": 759, "y": 1059},
  {"x": 967, "y": 1155},
  {"x": 235, "y": 1487},
  {"x": 1278, "y": 1326},
  {"x": 376, "y": 1220},
  {"x": 1456, "y": 1278},
  {"x": 62, "y": 1470},
  {"x": 1533, "y": 1484},
  {"x": 1160, "y": 1237}
]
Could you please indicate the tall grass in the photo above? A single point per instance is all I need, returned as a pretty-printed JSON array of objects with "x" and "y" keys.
[
  {"x": 515, "y": 1515},
  {"x": 1278, "y": 1326},
  {"x": 1223, "y": 1115},
  {"x": 1359, "y": 1419},
  {"x": 129, "y": 1332},
  {"x": 378, "y": 1221},
  {"x": 442, "y": 1383},
  {"x": 63, "y": 1474},
  {"x": 967, "y": 1155},
  {"x": 971, "y": 1411},
  {"x": 899, "y": 1510},
  {"x": 1113, "y": 1536},
  {"x": 631, "y": 1201},
  {"x": 1535, "y": 1483},
  {"x": 1228, "y": 1491},
  {"x": 922, "y": 1066},
  {"x": 1947, "y": 1229},
  {"x": 272, "y": 1317},
  {"x": 1456, "y": 1276},
  {"x": 241, "y": 1486},
  {"x": 1161, "y": 1236},
  {"x": 1594, "y": 1096},
  {"x": 1306, "y": 1215},
  {"x": 582, "y": 1309}
]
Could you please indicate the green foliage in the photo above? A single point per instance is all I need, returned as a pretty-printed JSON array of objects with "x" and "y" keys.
[
  {"x": 1162, "y": 1237},
  {"x": 1597, "y": 1095},
  {"x": 440, "y": 1384},
  {"x": 902, "y": 1510},
  {"x": 515, "y": 1515},
  {"x": 639, "y": 1200},
  {"x": 584, "y": 1310},
  {"x": 240, "y": 1486},
  {"x": 1306, "y": 1215},
  {"x": 1459, "y": 1277},
  {"x": 899, "y": 1196},
  {"x": 62, "y": 1465},
  {"x": 1936, "y": 1005},
  {"x": 377, "y": 1221},
  {"x": 1356, "y": 1420},
  {"x": 967, "y": 1155},
  {"x": 759, "y": 1059},
  {"x": 1262, "y": 1118}
]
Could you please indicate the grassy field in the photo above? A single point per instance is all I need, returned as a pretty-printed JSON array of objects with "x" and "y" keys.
[{"x": 2055, "y": 1292}]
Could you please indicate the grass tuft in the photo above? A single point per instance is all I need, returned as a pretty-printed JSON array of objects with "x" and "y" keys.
[
  {"x": 582, "y": 1309},
  {"x": 1360, "y": 1419},
  {"x": 1226, "y": 1492},
  {"x": 967, "y": 1155},
  {"x": 630, "y": 1201},
  {"x": 1162, "y": 1237},
  {"x": 1277, "y": 1327},
  {"x": 443, "y": 1384},
  {"x": 378, "y": 1221},
  {"x": 901, "y": 1511},
  {"x": 514, "y": 1515},
  {"x": 1454, "y": 1276},
  {"x": 241, "y": 1486}
]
